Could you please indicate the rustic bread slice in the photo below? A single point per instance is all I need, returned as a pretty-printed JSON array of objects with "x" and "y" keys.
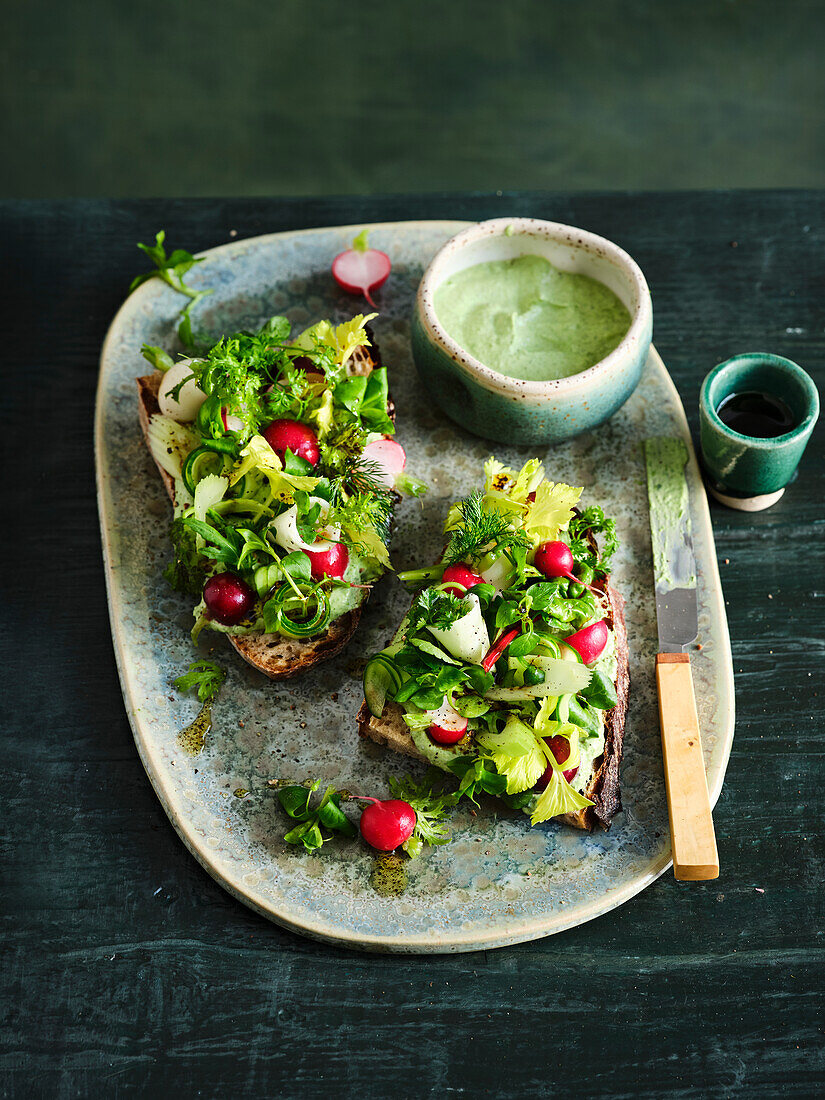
[
  {"x": 603, "y": 788},
  {"x": 275, "y": 656}
]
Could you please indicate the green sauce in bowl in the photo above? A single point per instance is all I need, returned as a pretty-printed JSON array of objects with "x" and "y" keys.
[{"x": 524, "y": 318}]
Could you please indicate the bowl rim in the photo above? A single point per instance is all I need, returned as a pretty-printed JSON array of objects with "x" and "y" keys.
[
  {"x": 708, "y": 408},
  {"x": 641, "y": 323}
]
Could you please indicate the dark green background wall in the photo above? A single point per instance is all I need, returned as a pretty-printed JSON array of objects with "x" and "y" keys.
[{"x": 157, "y": 97}]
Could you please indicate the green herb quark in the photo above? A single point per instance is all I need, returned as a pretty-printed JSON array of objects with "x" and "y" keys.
[{"x": 526, "y": 319}]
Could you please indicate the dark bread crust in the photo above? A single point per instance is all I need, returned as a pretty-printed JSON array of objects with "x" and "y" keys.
[
  {"x": 275, "y": 656},
  {"x": 603, "y": 788}
]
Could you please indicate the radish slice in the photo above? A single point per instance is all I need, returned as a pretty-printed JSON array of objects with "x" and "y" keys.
[
  {"x": 447, "y": 726},
  {"x": 231, "y": 423},
  {"x": 361, "y": 269},
  {"x": 389, "y": 456},
  {"x": 285, "y": 530}
]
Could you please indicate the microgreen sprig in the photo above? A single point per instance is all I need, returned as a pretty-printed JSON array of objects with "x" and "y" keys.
[{"x": 172, "y": 270}]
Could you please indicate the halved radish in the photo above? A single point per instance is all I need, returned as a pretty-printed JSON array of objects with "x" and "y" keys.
[
  {"x": 460, "y": 574},
  {"x": 389, "y": 456},
  {"x": 184, "y": 407},
  {"x": 329, "y": 563},
  {"x": 361, "y": 269},
  {"x": 589, "y": 642},
  {"x": 447, "y": 726}
]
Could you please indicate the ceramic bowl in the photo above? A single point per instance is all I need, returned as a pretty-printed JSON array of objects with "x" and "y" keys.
[
  {"x": 513, "y": 410},
  {"x": 745, "y": 472}
]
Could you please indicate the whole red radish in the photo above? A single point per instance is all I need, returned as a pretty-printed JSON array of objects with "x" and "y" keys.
[
  {"x": 389, "y": 457},
  {"x": 461, "y": 574},
  {"x": 554, "y": 559},
  {"x": 386, "y": 825},
  {"x": 228, "y": 598},
  {"x": 589, "y": 642},
  {"x": 292, "y": 435},
  {"x": 361, "y": 269},
  {"x": 329, "y": 563},
  {"x": 560, "y": 748}
]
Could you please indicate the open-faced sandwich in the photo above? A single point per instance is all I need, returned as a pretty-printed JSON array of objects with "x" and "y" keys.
[
  {"x": 279, "y": 460},
  {"x": 510, "y": 669}
]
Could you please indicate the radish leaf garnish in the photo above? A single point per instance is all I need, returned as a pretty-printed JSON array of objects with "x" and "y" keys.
[
  {"x": 296, "y": 802},
  {"x": 430, "y": 809}
]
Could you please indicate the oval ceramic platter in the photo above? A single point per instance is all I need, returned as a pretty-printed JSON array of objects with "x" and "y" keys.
[{"x": 499, "y": 881}]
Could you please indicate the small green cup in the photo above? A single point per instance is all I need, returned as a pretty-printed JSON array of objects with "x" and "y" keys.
[{"x": 746, "y": 472}]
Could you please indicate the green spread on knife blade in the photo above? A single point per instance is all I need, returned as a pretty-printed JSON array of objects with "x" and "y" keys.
[{"x": 667, "y": 493}]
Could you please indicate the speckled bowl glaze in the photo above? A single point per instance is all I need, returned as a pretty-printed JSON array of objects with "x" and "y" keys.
[
  {"x": 513, "y": 410},
  {"x": 499, "y": 881},
  {"x": 745, "y": 473}
]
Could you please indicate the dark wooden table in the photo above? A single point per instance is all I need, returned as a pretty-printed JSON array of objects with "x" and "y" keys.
[{"x": 125, "y": 968}]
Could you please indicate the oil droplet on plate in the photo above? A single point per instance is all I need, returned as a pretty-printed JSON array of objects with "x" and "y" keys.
[
  {"x": 192, "y": 738},
  {"x": 388, "y": 877}
]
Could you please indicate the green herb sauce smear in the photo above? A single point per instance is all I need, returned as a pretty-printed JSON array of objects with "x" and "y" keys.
[
  {"x": 526, "y": 319},
  {"x": 667, "y": 493}
]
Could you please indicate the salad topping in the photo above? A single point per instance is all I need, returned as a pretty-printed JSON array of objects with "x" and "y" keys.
[
  {"x": 504, "y": 665},
  {"x": 284, "y": 462}
]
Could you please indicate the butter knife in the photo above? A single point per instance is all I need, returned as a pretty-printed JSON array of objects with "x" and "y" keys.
[{"x": 674, "y": 572}]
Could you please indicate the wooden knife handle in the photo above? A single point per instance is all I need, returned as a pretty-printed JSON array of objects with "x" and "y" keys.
[{"x": 691, "y": 825}]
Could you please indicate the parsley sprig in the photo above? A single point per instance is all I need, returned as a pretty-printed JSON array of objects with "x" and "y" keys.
[{"x": 593, "y": 520}]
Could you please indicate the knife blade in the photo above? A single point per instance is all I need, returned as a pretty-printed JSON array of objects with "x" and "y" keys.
[
  {"x": 692, "y": 834},
  {"x": 674, "y": 563}
]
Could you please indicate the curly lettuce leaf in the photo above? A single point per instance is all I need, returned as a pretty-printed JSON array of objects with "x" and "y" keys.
[
  {"x": 517, "y": 754},
  {"x": 342, "y": 340},
  {"x": 551, "y": 511},
  {"x": 258, "y": 455}
]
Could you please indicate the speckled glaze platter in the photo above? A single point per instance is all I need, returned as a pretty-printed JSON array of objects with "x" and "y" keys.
[{"x": 499, "y": 881}]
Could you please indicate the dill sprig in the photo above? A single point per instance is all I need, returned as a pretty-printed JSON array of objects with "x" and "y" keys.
[{"x": 480, "y": 531}]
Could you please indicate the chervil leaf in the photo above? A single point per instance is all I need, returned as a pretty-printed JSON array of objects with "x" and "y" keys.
[
  {"x": 593, "y": 520},
  {"x": 430, "y": 807},
  {"x": 204, "y": 675}
]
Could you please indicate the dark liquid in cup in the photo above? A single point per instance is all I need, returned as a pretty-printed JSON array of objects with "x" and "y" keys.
[{"x": 757, "y": 414}]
